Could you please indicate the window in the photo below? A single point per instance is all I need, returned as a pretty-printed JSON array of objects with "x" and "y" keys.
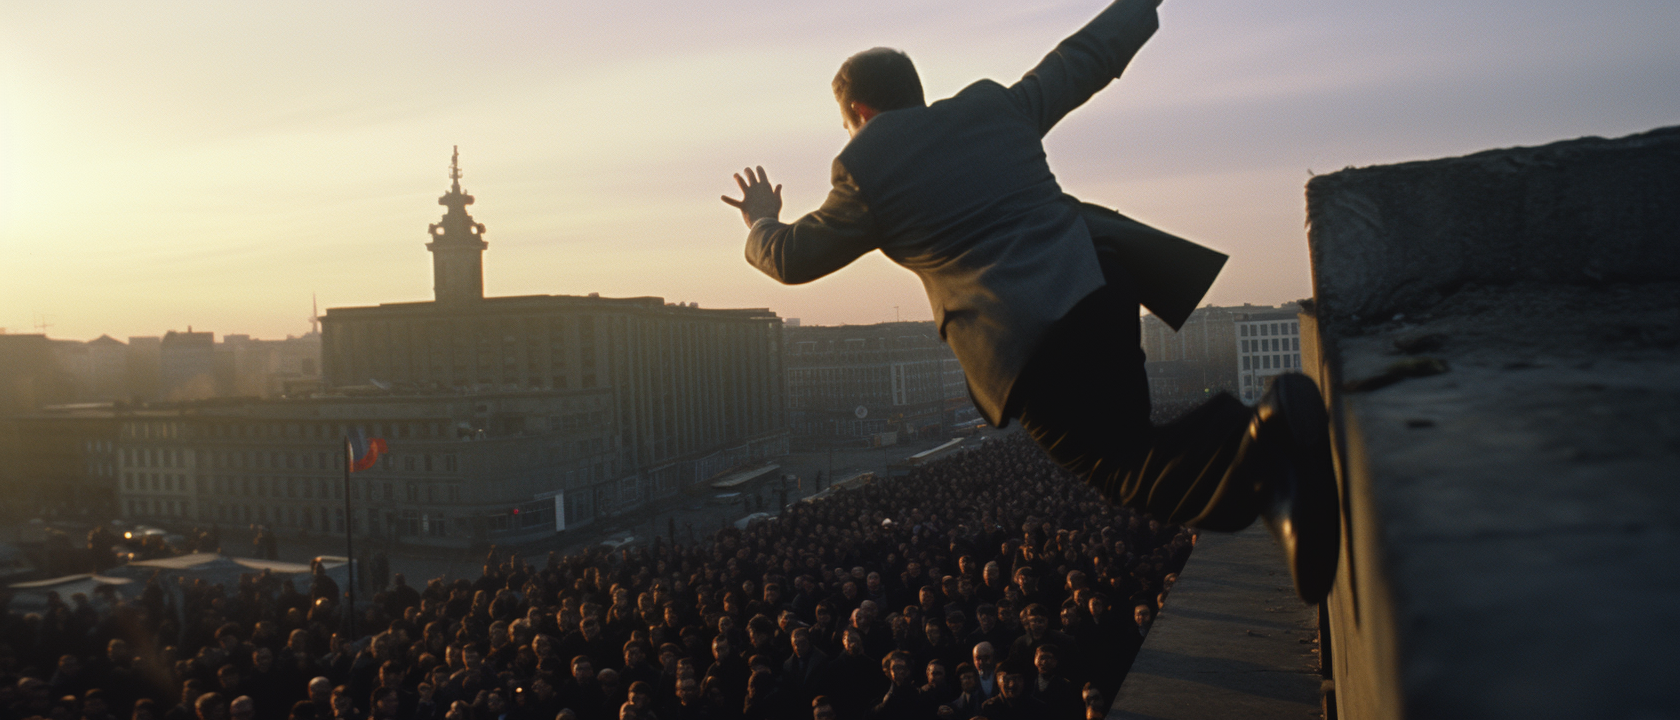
[
  {"x": 390, "y": 491},
  {"x": 413, "y": 493},
  {"x": 1246, "y": 364},
  {"x": 410, "y": 523},
  {"x": 449, "y": 464}
]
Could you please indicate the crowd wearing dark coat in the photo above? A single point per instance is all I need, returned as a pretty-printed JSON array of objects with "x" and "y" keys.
[{"x": 987, "y": 584}]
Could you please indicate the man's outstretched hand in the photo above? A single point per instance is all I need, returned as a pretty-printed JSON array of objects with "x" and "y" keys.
[{"x": 758, "y": 198}]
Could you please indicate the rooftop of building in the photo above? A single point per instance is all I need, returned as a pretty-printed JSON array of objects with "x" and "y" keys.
[{"x": 546, "y": 303}]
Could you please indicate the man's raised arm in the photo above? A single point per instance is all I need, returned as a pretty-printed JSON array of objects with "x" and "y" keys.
[
  {"x": 1086, "y": 61},
  {"x": 815, "y": 245}
]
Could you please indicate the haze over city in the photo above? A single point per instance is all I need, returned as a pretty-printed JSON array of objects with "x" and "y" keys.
[{"x": 213, "y": 165}]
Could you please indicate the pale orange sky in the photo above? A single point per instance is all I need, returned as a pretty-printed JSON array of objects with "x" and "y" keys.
[{"x": 212, "y": 164}]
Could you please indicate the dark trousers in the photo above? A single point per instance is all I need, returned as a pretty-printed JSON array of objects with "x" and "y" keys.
[{"x": 1084, "y": 398}]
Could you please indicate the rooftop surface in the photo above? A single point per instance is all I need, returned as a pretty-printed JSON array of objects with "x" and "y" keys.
[{"x": 1232, "y": 642}]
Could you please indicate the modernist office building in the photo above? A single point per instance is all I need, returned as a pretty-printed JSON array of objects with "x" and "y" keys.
[
  {"x": 1268, "y": 344},
  {"x": 1234, "y": 349}
]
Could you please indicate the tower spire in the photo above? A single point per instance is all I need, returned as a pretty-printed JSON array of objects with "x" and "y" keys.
[
  {"x": 457, "y": 244},
  {"x": 455, "y": 170}
]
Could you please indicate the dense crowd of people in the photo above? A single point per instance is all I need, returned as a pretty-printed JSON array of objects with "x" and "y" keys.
[{"x": 987, "y": 584}]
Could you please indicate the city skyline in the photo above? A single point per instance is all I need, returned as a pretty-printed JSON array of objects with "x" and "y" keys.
[{"x": 216, "y": 166}]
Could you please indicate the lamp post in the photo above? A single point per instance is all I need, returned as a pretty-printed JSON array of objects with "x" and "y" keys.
[{"x": 349, "y": 542}]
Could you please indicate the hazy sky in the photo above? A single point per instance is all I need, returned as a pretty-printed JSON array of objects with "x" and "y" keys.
[{"x": 165, "y": 164}]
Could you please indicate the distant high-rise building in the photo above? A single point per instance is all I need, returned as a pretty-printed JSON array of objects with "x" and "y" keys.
[
  {"x": 30, "y": 375},
  {"x": 145, "y": 367},
  {"x": 187, "y": 368},
  {"x": 1268, "y": 344},
  {"x": 1207, "y": 354},
  {"x": 1195, "y": 362}
]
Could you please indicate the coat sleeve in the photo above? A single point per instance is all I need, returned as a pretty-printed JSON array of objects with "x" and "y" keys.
[
  {"x": 819, "y": 243},
  {"x": 1085, "y": 62}
]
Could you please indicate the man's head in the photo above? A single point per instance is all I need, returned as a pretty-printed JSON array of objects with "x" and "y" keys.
[
  {"x": 896, "y": 666},
  {"x": 852, "y": 641},
  {"x": 1046, "y": 659},
  {"x": 822, "y": 708},
  {"x": 1013, "y": 682},
  {"x": 1037, "y": 620},
  {"x": 801, "y": 640},
  {"x": 875, "y": 81},
  {"x": 983, "y": 657},
  {"x": 242, "y": 708},
  {"x": 688, "y": 691}
]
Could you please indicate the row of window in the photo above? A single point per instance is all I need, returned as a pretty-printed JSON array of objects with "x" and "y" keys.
[
  {"x": 1264, "y": 329},
  {"x": 407, "y": 523},
  {"x": 317, "y": 431},
  {"x": 275, "y": 459},
  {"x": 295, "y": 488},
  {"x": 1272, "y": 362},
  {"x": 1272, "y": 345}
]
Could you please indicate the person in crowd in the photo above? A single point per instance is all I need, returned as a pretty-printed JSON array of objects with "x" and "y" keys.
[
  {"x": 1016, "y": 701},
  {"x": 969, "y": 698}
]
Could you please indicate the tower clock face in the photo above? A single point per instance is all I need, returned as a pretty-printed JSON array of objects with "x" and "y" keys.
[{"x": 861, "y": 412}]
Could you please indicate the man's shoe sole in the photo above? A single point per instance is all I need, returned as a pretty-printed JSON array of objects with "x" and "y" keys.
[{"x": 1304, "y": 512}]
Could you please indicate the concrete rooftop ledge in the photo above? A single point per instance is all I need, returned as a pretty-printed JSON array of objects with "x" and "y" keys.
[{"x": 1499, "y": 336}]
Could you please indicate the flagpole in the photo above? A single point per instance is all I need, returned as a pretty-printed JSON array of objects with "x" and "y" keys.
[{"x": 349, "y": 543}]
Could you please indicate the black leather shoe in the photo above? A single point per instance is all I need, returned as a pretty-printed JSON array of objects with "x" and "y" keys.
[{"x": 1297, "y": 489}]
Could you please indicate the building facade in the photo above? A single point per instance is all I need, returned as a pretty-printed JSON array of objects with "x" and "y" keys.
[
  {"x": 59, "y": 463},
  {"x": 854, "y": 383},
  {"x": 465, "y": 469},
  {"x": 1268, "y": 344},
  {"x": 1233, "y": 349},
  {"x": 688, "y": 392},
  {"x": 1197, "y": 361}
]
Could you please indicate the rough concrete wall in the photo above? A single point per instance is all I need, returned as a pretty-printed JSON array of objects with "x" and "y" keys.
[
  {"x": 1397, "y": 238},
  {"x": 1507, "y": 448}
]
